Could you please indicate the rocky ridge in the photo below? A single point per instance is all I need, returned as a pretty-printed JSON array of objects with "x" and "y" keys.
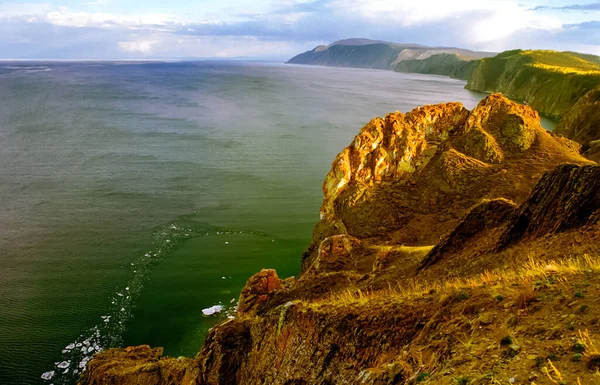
[{"x": 434, "y": 261}]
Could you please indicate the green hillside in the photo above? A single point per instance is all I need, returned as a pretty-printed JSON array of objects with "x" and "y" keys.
[
  {"x": 551, "y": 82},
  {"x": 379, "y": 56},
  {"x": 441, "y": 64},
  {"x": 365, "y": 53}
]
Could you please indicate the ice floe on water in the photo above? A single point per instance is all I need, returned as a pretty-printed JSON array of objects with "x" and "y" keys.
[
  {"x": 108, "y": 333},
  {"x": 48, "y": 375},
  {"x": 212, "y": 310}
]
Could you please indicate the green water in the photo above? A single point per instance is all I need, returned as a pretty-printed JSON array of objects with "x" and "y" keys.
[{"x": 128, "y": 192}]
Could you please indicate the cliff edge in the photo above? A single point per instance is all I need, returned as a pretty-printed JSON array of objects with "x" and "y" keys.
[{"x": 454, "y": 247}]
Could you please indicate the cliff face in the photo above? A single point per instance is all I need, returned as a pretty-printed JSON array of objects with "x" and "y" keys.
[
  {"x": 411, "y": 277},
  {"x": 582, "y": 124},
  {"x": 424, "y": 169}
]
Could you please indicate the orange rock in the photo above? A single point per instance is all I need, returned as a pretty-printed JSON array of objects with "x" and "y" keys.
[{"x": 258, "y": 290}]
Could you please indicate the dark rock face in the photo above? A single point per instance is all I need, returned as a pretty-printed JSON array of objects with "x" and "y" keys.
[
  {"x": 565, "y": 198},
  {"x": 486, "y": 215},
  {"x": 225, "y": 353}
]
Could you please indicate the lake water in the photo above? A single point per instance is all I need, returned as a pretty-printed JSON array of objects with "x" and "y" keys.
[{"x": 134, "y": 195}]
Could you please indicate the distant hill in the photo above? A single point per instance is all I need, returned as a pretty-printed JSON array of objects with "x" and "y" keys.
[
  {"x": 365, "y": 53},
  {"x": 551, "y": 82}
]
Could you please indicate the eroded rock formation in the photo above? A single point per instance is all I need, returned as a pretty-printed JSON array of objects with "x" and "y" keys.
[
  {"x": 416, "y": 201},
  {"x": 425, "y": 169}
]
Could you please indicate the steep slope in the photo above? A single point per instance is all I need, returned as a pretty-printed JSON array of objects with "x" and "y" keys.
[
  {"x": 551, "y": 82},
  {"x": 451, "y": 65},
  {"x": 424, "y": 169},
  {"x": 364, "y": 53},
  {"x": 379, "y": 303},
  {"x": 582, "y": 124}
]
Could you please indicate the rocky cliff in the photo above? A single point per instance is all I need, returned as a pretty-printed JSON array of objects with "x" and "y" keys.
[{"x": 434, "y": 261}]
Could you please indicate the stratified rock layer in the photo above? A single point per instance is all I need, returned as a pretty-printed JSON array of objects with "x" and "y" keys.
[{"x": 566, "y": 198}]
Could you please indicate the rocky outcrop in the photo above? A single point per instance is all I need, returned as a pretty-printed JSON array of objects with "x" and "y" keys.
[
  {"x": 426, "y": 168},
  {"x": 582, "y": 124},
  {"x": 259, "y": 288},
  {"x": 566, "y": 198},
  {"x": 486, "y": 215},
  {"x": 377, "y": 302},
  {"x": 560, "y": 217},
  {"x": 138, "y": 365}
]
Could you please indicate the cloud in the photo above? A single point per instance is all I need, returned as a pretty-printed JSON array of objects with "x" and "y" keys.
[
  {"x": 143, "y": 47},
  {"x": 572, "y": 7},
  {"x": 274, "y": 29}
]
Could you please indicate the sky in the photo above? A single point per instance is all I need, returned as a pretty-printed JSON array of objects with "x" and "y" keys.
[{"x": 280, "y": 29}]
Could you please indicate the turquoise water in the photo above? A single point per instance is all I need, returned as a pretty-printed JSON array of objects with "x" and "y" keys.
[{"x": 135, "y": 195}]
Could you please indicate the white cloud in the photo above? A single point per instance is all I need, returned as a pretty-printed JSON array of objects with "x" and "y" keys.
[
  {"x": 65, "y": 17},
  {"x": 279, "y": 28},
  {"x": 144, "y": 47}
]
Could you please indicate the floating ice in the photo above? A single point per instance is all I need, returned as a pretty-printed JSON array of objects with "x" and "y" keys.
[
  {"x": 212, "y": 310},
  {"x": 70, "y": 346},
  {"x": 122, "y": 309},
  {"x": 84, "y": 362},
  {"x": 48, "y": 375},
  {"x": 127, "y": 288},
  {"x": 146, "y": 255},
  {"x": 232, "y": 300},
  {"x": 120, "y": 294},
  {"x": 63, "y": 365},
  {"x": 168, "y": 240},
  {"x": 223, "y": 277},
  {"x": 226, "y": 243}
]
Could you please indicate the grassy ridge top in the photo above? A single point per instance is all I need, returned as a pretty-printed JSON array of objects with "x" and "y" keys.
[{"x": 554, "y": 61}]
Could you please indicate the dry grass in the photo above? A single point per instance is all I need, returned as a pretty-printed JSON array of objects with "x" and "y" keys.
[
  {"x": 525, "y": 275},
  {"x": 566, "y": 70}
]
